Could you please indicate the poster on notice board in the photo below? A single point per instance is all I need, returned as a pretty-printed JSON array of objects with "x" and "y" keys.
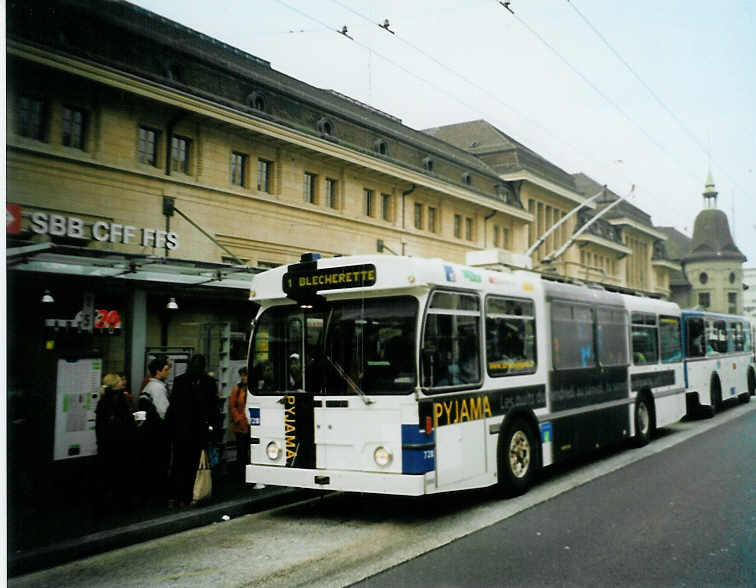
[{"x": 77, "y": 393}]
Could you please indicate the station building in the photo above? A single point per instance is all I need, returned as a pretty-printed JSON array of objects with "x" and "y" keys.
[{"x": 152, "y": 171}]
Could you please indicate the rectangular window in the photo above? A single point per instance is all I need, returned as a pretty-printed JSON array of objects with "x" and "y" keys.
[
  {"x": 418, "y": 216},
  {"x": 669, "y": 337},
  {"x": 73, "y": 128},
  {"x": 510, "y": 337},
  {"x": 368, "y": 201},
  {"x": 611, "y": 329},
  {"x": 386, "y": 207},
  {"x": 572, "y": 336},
  {"x": 431, "y": 219},
  {"x": 496, "y": 237},
  {"x": 716, "y": 337},
  {"x": 147, "y": 147},
  {"x": 695, "y": 345},
  {"x": 238, "y": 169},
  {"x": 732, "y": 301},
  {"x": 310, "y": 188},
  {"x": 452, "y": 340},
  {"x": 645, "y": 338},
  {"x": 531, "y": 227},
  {"x": 468, "y": 229},
  {"x": 704, "y": 299},
  {"x": 31, "y": 118},
  {"x": 504, "y": 238},
  {"x": 331, "y": 197},
  {"x": 180, "y": 154},
  {"x": 264, "y": 175},
  {"x": 457, "y": 226}
]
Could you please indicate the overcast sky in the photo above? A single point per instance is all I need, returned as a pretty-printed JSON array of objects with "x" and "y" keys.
[{"x": 647, "y": 92}]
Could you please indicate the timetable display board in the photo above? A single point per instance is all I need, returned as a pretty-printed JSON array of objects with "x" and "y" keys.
[{"x": 77, "y": 392}]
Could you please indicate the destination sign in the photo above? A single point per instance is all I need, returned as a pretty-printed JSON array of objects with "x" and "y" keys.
[{"x": 332, "y": 278}]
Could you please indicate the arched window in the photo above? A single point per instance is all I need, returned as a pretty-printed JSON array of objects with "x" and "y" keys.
[{"x": 381, "y": 147}]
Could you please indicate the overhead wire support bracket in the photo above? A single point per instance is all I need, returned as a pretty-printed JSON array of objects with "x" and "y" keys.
[
  {"x": 573, "y": 212},
  {"x": 585, "y": 227},
  {"x": 386, "y": 26}
]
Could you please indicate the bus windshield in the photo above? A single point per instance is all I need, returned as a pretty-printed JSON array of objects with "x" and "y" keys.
[{"x": 349, "y": 348}]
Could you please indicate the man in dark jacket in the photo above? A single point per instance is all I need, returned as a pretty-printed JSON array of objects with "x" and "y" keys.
[{"x": 191, "y": 417}]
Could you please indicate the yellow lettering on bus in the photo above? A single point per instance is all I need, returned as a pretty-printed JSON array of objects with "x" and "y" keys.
[
  {"x": 464, "y": 414},
  {"x": 289, "y": 428},
  {"x": 476, "y": 409},
  {"x": 438, "y": 411},
  {"x": 448, "y": 408},
  {"x": 487, "y": 407}
]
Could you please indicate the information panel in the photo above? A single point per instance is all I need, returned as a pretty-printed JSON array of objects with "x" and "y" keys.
[{"x": 77, "y": 391}]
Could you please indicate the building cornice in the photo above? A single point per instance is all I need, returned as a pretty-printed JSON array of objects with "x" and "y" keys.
[
  {"x": 670, "y": 265},
  {"x": 596, "y": 240},
  {"x": 628, "y": 222},
  {"x": 158, "y": 92},
  {"x": 527, "y": 176}
]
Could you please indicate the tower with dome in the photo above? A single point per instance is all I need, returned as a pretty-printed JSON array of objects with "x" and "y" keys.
[{"x": 713, "y": 264}]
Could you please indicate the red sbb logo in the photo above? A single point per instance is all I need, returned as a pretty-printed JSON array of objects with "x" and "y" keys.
[{"x": 14, "y": 219}]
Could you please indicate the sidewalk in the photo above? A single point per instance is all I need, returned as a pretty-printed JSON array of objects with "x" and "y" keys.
[{"x": 50, "y": 538}]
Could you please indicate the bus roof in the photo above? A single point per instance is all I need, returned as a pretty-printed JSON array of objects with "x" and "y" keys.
[{"x": 365, "y": 273}]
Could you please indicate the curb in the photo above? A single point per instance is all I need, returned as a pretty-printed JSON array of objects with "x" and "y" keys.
[{"x": 174, "y": 522}]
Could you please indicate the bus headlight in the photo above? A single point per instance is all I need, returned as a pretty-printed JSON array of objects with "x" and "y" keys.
[
  {"x": 273, "y": 449},
  {"x": 382, "y": 456}
]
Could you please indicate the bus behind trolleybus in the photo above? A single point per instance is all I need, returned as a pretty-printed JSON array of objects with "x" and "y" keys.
[
  {"x": 719, "y": 362},
  {"x": 416, "y": 376}
]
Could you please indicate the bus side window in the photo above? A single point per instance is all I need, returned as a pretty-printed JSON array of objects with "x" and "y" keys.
[
  {"x": 747, "y": 339},
  {"x": 695, "y": 344},
  {"x": 510, "y": 337},
  {"x": 735, "y": 337},
  {"x": 669, "y": 335},
  {"x": 572, "y": 336},
  {"x": 644, "y": 338},
  {"x": 451, "y": 340},
  {"x": 611, "y": 326}
]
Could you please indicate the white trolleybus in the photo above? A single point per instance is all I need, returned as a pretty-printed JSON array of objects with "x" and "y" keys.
[
  {"x": 416, "y": 376},
  {"x": 718, "y": 360}
]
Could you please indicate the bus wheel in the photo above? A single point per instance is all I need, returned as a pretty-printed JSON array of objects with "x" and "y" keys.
[
  {"x": 643, "y": 425},
  {"x": 517, "y": 458},
  {"x": 716, "y": 396}
]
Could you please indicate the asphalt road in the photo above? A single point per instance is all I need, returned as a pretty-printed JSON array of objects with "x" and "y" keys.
[
  {"x": 666, "y": 514},
  {"x": 685, "y": 517}
]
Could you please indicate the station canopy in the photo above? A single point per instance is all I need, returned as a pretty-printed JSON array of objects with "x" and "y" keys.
[{"x": 51, "y": 258}]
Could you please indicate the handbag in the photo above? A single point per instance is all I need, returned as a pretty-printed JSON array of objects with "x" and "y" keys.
[{"x": 203, "y": 481}]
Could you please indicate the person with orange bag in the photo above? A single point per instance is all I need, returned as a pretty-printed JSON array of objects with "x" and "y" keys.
[{"x": 237, "y": 408}]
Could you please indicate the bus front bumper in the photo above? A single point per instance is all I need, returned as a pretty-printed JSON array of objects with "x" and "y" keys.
[{"x": 341, "y": 480}]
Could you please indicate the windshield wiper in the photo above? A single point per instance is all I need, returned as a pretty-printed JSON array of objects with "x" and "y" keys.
[{"x": 350, "y": 382}]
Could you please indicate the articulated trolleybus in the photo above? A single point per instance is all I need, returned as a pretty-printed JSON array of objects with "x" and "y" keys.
[{"x": 416, "y": 376}]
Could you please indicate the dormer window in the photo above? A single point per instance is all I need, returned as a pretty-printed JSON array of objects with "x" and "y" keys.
[
  {"x": 381, "y": 147},
  {"x": 428, "y": 164},
  {"x": 256, "y": 101},
  {"x": 325, "y": 127},
  {"x": 467, "y": 179}
]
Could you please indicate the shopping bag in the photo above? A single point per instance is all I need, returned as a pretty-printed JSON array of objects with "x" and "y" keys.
[{"x": 203, "y": 481}]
